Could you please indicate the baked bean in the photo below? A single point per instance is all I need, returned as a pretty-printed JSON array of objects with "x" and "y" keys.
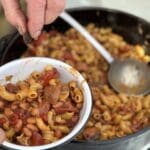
[
  {"x": 1, "y": 104},
  {"x": 58, "y": 134},
  {"x": 32, "y": 127},
  {"x": 18, "y": 126},
  {"x": 91, "y": 133},
  {"x": 31, "y": 120},
  {"x": 8, "y": 111},
  {"x": 34, "y": 112},
  {"x": 27, "y": 132}
]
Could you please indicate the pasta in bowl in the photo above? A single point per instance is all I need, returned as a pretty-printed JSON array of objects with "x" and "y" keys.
[{"x": 44, "y": 103}]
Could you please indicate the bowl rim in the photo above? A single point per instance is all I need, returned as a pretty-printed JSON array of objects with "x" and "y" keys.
[
  {"x": 108, "y": 10},
  {"x": 79, "y": 78}
]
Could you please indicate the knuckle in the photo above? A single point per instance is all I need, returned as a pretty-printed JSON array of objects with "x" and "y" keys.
[
  {"x": 60, "y": 4},
  {"x": 41, "y": 2},
  {"x": 56, "y": 5},
  {"x": 9, "y": 18},
  {"x": 36, "y": 3},
  {"x": 11, "y": 14}
]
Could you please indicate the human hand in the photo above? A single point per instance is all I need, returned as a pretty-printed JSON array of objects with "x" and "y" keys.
[{"x": 39, "y": 13}]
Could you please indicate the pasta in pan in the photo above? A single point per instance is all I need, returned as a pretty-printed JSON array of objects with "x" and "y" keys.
[
  {"x": 114, "y": 114},
  {"x": 39, "y": 110}
]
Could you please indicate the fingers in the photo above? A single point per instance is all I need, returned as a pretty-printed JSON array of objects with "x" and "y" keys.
[
  {"x": 2, "y": 136},
  {"x": 14, "y": 15},
  {"x": 36, "y": 16},
  {"x": 40, "y": 12},
  {"x": 53, "y": 9}
]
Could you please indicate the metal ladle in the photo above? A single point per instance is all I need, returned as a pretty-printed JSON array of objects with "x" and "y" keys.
[{"x": 125, "y": 76}]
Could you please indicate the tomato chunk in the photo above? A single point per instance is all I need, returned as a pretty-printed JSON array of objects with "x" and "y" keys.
[
  {"x": 51, "y": 93},
  {"x": 36, "y": 139},
  {"x": 51, "y": 74},
  {"x": 65, "y": 107},
  {"x": 44, "y": 107}
]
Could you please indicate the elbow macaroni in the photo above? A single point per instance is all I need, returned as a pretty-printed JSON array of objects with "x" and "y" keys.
[{"x": 6, "y": 95}]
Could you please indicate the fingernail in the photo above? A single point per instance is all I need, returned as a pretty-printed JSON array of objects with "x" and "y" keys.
[
  {"x": 36, "y": 35},
  {"x": 21, "y": 30},
  {"x": 27, "y": 38}
]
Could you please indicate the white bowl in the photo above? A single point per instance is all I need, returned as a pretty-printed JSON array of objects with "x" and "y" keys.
[{"x": 22, "y": 68}]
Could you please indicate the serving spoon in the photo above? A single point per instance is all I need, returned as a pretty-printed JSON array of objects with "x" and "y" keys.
[{"x": 125, "y": 76}]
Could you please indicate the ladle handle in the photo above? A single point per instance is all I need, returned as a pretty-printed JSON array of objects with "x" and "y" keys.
[{"x": 70, "y": 20}]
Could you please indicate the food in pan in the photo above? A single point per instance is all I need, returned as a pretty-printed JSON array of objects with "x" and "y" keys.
[
  {"x": 41, "y": 109},
  {"x": 114, "y": 114}
]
